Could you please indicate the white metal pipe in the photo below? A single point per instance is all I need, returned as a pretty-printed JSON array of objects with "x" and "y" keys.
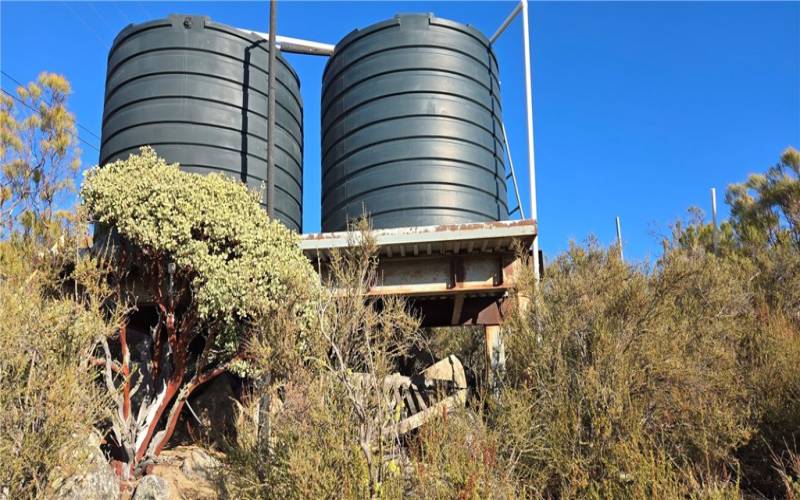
[
  {"x": 619, "y": 240},
  {"x": 513, "y": 174},
  {"x": 298, "y": 45},
  {"x": 529, "y": 111},
  {"x": 505, "y": 24}
]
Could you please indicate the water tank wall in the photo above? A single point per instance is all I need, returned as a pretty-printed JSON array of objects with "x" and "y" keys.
[
  {"x": 196, "y": 91},
  {"x": 411, "y": 126}
]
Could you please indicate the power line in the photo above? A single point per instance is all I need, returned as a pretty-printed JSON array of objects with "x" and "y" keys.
[
  {"x": 144, "y": 10},
  {"x": 36, "y": 111},
  {"x": 126, "y": 19},
  {"x": 76, "y": 121},
  {"x": 103, "y": 21},
  {"x": 85, "y": 24}
]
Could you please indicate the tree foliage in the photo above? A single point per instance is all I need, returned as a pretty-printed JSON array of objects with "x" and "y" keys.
[
  {"x": 680, "y": 379},
  {"x": 39, "y": 157},
  {"x": 765, "y": 209},
  {"x": 238, "y": 262},
  {"x": 621, "y": 379}
]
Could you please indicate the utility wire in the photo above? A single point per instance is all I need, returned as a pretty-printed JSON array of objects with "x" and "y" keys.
[
  {"x": 36, "y": 111},
  {"x": 103, "y": 21},
  {"x": 126, "y": 19},
  {"x": 85, "y": 24},
  {"x": 144, "y": 10},
  {"x": 76, "y": 121}
]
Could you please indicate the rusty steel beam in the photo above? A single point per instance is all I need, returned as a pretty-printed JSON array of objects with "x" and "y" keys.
[{"x": 445, "y": 274}]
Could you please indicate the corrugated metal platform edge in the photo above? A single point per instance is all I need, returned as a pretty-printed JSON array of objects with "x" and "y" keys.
[{"x": 445, "y": 239}]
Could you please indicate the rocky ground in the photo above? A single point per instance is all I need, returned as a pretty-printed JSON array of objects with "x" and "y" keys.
[{"x": 186, "y": 472}]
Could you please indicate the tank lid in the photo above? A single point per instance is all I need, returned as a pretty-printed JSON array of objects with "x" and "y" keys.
[
  {"x": 194, "y": 22},
  {"x": 412, "y": 18}
]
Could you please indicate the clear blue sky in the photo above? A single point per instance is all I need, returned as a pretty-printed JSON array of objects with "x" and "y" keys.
[{"x": 640, "y": 107}]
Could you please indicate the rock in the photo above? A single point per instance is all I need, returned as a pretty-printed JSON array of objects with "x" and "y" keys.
[
  {"x": 200, "y": 464},
  {"x": 190, "y": 472},
  {"x": 96, "y": 479},
  {"x": 97, "y": 484},
  {"x": 154, "y": 488}
]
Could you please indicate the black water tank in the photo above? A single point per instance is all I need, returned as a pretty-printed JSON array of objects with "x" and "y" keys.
[
  {"x": 411, "y": 126},
  {"x": 196, "y": 91}
]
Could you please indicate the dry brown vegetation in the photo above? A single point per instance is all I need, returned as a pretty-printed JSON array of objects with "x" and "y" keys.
[
  {"x": 48, "y": 400},
  {"x": 680, "y": 379},
  {"x": 676, "y": 379}
]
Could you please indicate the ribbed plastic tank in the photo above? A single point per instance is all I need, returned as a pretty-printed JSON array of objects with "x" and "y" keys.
[
  {"x": 411, "y": 126},
  {"x": 196, "y": 91}
]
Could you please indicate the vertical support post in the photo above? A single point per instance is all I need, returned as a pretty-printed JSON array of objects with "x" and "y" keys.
[
  {"x": 714, "y": 217},
  {"x": 271, "y": 110},
  {"x": 496, "y": 356},
  {"x": 264, "y": 427},
  {"x": 619, "y": 240},
  {"x": 529, "y": 112}
]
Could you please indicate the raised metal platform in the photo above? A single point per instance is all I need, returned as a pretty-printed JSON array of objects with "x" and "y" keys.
[{"x": 453, "y": 274}]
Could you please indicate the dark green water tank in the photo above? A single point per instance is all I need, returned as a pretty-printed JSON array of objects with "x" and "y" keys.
[
  {"x": 411, "y": 128},
  {"x": 196, "y": 91}
]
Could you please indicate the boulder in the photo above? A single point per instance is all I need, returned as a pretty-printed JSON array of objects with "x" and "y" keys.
[
  {"x": 153, "y": 487},
  {"x": 199, "y": 464},
  {"x": 190, "y": 473},
  {"x": 95, "y": 480}
]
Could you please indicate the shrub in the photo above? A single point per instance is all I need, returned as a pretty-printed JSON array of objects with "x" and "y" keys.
[
  {"x": 623, "y": 380},
  {"x": 458, "y": 456},
  {"x": 48, "y": 399},
  {"x": 333, "y": 436}
]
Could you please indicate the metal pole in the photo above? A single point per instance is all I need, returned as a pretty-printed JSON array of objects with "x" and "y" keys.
[
  {"x": 714, "y": 217},
  {"x": 505, "y": 24},
  {"x": 271, "y": 110},
  {"x": 619, "y": 240},
  {"x": 529, "y": 109},
  {"x": 513, "y": 175}
]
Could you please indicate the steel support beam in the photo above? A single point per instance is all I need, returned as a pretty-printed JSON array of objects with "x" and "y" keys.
[
  {"x": 297, "y": 45},
  {"x": 502, "y": 28}
]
